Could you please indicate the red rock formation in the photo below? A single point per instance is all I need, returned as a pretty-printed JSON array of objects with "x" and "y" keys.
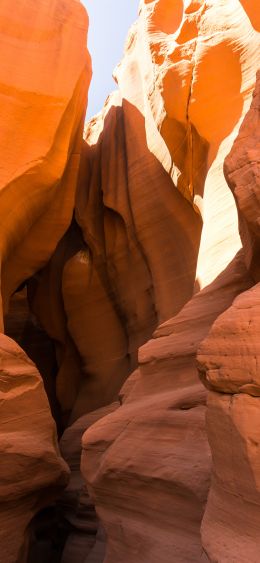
[
  {"x": 78, "y": 509},
  {"x": 120, "y": 279},
  {"x": 154, "y": 237},
  {"x": 31, "y": 471},
  {"x": 243, "y": 175},
  {"x": 44, "y": 77},
  {"x": 229, "y": 360},
  {"x": 150, "y": 478},
  {"x": 152, "y": 160},
  {"x": 229, "y": 367}
]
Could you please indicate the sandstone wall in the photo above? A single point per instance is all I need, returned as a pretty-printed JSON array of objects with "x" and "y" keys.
[
  {"x": 196, "y": 62},
  {"x": 32, "y": 470},
  {"x": 151, "y": 174},
  {"x": 229, "y": 367},
  {"x": 132, "y": 228},
  {"x": 45, "y": 71},
  {"x": 44, "y": 74}
]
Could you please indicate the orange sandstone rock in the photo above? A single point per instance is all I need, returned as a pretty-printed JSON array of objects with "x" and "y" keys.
[
  {"x": 129, "y": 271},
  {"x": 44, "y": 76},
  {"x": 242, "y": 172},
  {"x": 151, "y": 173},
  {"x": 32, "y": 471},
  {"x": 150, "y": 478},
  {"x": 229, "y": 367},
  {"x": 228, "y": 363},
  {"x": 84, "y": 539},
  {"x": 195, "y": 69}
]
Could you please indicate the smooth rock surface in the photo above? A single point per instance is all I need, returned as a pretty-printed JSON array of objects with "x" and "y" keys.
[
  {"x": 229, "y": 363},
  {"x": 148, "y": 466},
  {"x": 85, "y": 539},
  {"x": 32, "y": 471},
  {"x": 229, "y": 366},
  {"x": 242, "y": 171},
  {"x": 44, "y": 75},
  {"x": 151, "y": 175}
]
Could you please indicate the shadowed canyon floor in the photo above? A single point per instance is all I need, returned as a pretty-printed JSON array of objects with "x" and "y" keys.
[{"x": 130, "y": 271}]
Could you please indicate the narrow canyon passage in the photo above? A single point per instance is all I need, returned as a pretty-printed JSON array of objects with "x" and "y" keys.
[{"x": 129, "y": 248}]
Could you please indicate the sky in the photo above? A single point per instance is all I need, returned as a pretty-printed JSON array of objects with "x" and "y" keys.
[{"x": 109, "y": 21}]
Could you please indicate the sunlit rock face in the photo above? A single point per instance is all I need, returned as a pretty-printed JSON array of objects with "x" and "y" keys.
[
  {"x": 229, "y": 367},
  {"x": 242, "y": 172},
  {"x": 44, "y": 75},
  {"x": 195, "y": 73},
  {"x": 151, "y": 174},
  {"x": 141, "y": 231},
  {"x": 189, "y": 69},
  {"x": 142, "y": 237},
  {"x": 32, "y": 471},
  {"x": 128, "y": 262}
]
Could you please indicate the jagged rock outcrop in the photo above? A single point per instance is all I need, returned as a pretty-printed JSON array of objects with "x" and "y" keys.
[
  {"x": 150, "y": 479},
  {"x": 44, "y": 75},
  {"x": 32, "y": 471},
  {"x": 229, "y": 367}
]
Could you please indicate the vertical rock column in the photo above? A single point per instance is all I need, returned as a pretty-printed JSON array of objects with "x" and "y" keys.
[{"x": 229, "y": 364}]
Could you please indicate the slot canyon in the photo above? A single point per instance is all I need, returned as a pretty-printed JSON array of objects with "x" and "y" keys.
[{"x": 130, "y": 287}]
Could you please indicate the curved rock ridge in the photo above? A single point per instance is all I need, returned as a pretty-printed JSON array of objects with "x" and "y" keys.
[
  {"x": 242, "y": 172},
  {"x": 148, "y": 465},
  {"x": 229, "y": 366},
  {"x": 151, "y": 172},
  {"x": 123, "y": 271},
  {"x": 133, "y": 228},
  {"x": 45, "y": 71},
  {"x": 44, "y": 78},
  {"x": 229, "y": 362},
  {"x": 32, "y": 471},
  {"x": 85, "y": 538},
  {"x": 182, "y": 59}
]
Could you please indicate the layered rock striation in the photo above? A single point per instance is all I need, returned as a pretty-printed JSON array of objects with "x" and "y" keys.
[
  {"x": 44, "y": 77},
  {"x": 229, "y": 367},
  {"x": 140, "y": 253},
  {"x": 45, "y": 71},
  {"x": 150, "y": 480},
  {"x": 32, "y": 470},
  {"x": 151, "y": 174}
]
